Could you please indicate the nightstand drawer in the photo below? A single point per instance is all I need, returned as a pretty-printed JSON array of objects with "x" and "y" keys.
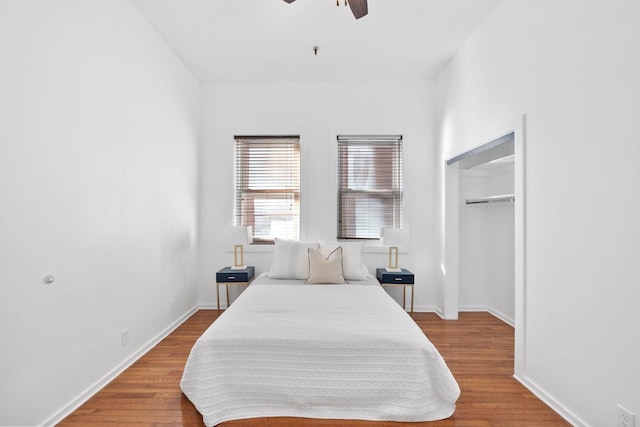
[
  {"x": 227, "y": 275},
  {"x": 404, "y": 277}
]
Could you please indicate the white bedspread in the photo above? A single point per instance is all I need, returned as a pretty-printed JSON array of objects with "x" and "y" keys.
[{"x": 317, "y": 351}]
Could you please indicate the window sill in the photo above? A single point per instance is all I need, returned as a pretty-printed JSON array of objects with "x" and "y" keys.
[{"x": 366, "y": 249}]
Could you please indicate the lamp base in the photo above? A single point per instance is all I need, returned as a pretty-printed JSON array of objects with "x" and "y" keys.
[
  {"x": 239, "y": 267},
  {"x": 393, "y": 270}
]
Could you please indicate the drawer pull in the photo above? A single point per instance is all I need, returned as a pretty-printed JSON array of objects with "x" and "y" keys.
[
  {"x": 398, "y": 279},
  {"x": 231, "y": 277}
]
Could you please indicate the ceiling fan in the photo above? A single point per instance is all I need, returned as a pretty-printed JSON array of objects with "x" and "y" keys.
[{"x": 358, "y": 7}]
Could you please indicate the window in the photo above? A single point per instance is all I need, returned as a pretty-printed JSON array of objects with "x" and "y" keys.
[
  {"x": 267, "y": 186},
  {"x": 369, "y": 185}
]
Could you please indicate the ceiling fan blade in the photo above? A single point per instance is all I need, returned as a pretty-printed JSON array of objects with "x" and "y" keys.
[
  {"x": 358, "y": 7},
  {"x": 289, "y": 1}
]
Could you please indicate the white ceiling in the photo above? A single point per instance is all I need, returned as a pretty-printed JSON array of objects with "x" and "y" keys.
[{"x": 270, "y": 40}]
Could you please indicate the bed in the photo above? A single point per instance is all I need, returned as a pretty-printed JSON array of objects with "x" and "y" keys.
[{"x": 287, "y": 348}]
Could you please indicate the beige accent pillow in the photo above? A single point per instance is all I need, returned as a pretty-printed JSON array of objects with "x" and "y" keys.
[
  {"x": 352, "y": 266},
  {"x": 325, "y": 270}
]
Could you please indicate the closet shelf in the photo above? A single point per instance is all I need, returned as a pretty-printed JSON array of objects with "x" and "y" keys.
[{"x": 492, "y": 199}]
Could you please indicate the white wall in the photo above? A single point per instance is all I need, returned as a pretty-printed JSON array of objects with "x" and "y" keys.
[
  {"x": 99, "y": 127},
  {"x": 473, "y": 234},
  {"x": 318, "y": 112},
  {"x": 573, "y": 68},
  {"x": 501, "y": 240},
  {"x": 486, "y": 243}
]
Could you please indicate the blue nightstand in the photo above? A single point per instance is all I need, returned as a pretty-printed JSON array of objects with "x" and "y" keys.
[
  {"x": 402, "y": 278},
  {"x": 227, "y": 276}
]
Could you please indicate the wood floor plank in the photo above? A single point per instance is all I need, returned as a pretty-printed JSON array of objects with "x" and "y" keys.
[{"x": 478, "y": 348}]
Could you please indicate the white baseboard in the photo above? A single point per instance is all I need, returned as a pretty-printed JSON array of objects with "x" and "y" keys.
[
  {"x": 472, "y": 308},
  {"x": 439, "y": 312},
  {"x": 506, "y": 319},
  {"x": 102, "y": 382},
  {"x": 509, "y": 321},
  {"x": 421, "y": 309},
  {"x": 569, "y": 416},
  {"x": 211, "y": 306}
]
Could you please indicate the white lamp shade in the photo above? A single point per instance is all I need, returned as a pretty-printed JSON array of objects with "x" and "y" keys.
[
  {"x": 397, "y": 237},
  {"x": 240, "y": 235}
]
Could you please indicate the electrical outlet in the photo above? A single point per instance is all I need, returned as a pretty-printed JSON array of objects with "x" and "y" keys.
[
  {"x": 125, "y": 337},
  {"x": 625, "y": 418}
]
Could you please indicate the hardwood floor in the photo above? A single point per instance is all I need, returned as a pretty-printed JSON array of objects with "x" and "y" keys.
[{"x": 478, "y": 349}]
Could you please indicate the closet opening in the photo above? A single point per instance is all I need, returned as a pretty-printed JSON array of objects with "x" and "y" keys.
[
  {"x": 484, "y": 233},
  {"x": 486, "y": 230}
]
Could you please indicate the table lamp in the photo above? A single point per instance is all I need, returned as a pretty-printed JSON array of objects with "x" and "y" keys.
[
  {"x": 240, "y": 236},
  {"x": 394, "y": 238}
]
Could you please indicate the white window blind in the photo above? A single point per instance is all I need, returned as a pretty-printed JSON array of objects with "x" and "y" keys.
[
  {"x": 267, "y": 186},
  {"x": 369, "y": 185}
]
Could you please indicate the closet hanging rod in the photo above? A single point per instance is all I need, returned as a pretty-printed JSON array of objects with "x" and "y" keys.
[{"x": 492, "y": 199}]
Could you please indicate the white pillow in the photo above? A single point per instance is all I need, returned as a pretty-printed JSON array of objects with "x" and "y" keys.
[
  {"x": 291, "y": 260},
  {"x": 352, "y": 267},
  {"x": 327, "y": 270}
]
